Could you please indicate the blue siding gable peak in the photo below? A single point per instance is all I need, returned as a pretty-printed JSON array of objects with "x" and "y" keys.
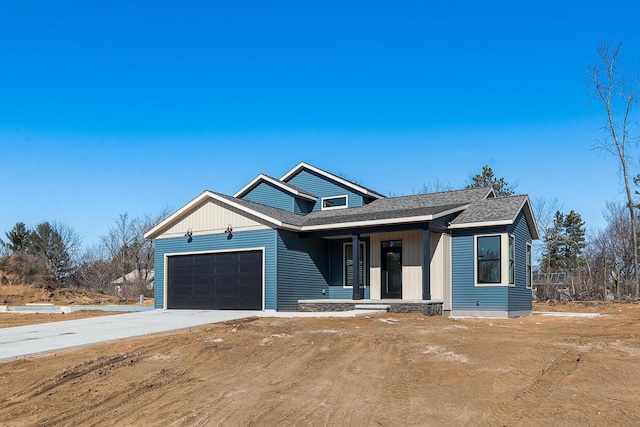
[
  {"x": 302, "y": 166},
  {"x": 324, "y": 187},
  {"x": 268, "y": 194}
]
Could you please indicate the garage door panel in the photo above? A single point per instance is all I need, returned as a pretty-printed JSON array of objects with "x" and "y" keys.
[
  {"x": 226, "y": 280},
  {"x": 226, "y": 268}
]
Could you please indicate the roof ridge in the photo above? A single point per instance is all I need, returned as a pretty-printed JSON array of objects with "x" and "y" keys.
[
  {"x": 439, "y": 192},
  {"x": 348, "y": 181}
]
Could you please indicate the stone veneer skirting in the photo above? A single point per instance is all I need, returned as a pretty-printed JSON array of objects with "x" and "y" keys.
[{"x": 429, "y": 308}]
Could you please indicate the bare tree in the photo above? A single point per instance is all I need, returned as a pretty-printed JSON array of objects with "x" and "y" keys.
[
  {"x": 97, "y": 271},
  {"x": 617, "y": 93},
  {"x": 120, "y": 241},
  {"x": 129, "y": 251},
  {"x": 436, "y": 186},
  {"x": 611, "y": 252}
]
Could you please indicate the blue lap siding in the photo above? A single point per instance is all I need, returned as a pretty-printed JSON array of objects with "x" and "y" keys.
[
  {"x": 520, "y": 298},
  {"x": 464, "y": 294},
  {"x": 323, "y": 187},
  {"x": 303, "y": 269},
  {"x": 220, "y": 242},
  {"x": 270, "y": 195}
]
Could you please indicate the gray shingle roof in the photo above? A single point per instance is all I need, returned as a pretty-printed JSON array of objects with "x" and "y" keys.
[
  {"x": 489, "y": 210},
  {"x": 399, "y": 207},
  {"x": 277, "y": 214}
]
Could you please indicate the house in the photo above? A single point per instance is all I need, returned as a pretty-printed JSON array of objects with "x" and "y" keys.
[
  {"x": 133, "y": 278},
  {"x": 305, "y": 239}
]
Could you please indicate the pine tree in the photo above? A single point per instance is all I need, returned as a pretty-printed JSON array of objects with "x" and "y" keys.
[
  {"x": 564, "y": 243},
  {"x": 19, "y": 237},
  {"x": 487, "y": 179}
]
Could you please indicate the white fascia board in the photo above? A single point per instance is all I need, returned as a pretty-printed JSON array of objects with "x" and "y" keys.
[
  {"x": 533, "y": 226},
  {"x": 250, "y": 185},
  {"x": 175, "y": 216},
  {"x": 450, "y": 211},
  {"x": 388, "y": 221},
  {"x": 303, "y": 165},
  {"x": 244, "y": 209},
  {"x": 270, "y": 180},
  {"x": 155, "y": 231},
  {"x": 481, "y": 224}
]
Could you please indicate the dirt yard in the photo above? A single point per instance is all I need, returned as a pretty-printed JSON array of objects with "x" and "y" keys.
[{"x": 386, "y": 370}]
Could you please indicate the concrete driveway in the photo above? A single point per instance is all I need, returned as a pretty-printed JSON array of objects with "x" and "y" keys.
[{"x": 23, "y": 341}]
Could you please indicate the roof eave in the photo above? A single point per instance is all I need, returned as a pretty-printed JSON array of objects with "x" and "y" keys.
[
  {"x": 158, "y": 229},
  {"x": 528, "y": 213},
  {"x": 385, "y": 221}
]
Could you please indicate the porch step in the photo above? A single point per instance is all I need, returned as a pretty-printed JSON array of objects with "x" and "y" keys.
[{"x": 384, "y": 307}]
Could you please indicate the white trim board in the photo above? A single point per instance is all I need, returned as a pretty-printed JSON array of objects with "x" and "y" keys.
[{"x": 329, "y": 208}]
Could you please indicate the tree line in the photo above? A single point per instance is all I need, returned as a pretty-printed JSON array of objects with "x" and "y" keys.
[{"x": 50, "y": 254}]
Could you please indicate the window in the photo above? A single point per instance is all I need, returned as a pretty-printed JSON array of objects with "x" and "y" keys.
[
  {"x": 337, "y": 202},
  {"x": 529, "y": 265},
  {"x": 512, "y": 257},
  {"x": 348, "y": 265},
  {"x": 488, "y": 262}
]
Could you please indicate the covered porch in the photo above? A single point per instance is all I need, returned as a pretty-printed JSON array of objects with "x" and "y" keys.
[{"x": 399, "y": 268}]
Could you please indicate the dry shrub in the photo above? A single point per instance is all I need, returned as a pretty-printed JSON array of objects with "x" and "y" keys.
[{"x": 25, "y": 269}]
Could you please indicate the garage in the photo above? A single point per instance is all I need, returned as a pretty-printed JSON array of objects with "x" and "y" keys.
[{"x": 215, "y": 281}]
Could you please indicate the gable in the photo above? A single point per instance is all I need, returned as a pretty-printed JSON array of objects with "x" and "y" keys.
[
  {"x": 212, "y": 217},
  {"x": 302, "y": 166},
  {"x": 322, "y": 187},
  {"x": 268, "y": 194},
  {"x": 497, "y": 211}
]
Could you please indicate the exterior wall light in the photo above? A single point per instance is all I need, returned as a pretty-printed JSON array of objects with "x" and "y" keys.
[{"x": 189, "y": 235}]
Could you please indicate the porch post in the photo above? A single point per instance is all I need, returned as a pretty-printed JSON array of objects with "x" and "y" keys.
[
  {"x": 355, "y": 239},
  {"x": 426, "y": 263}
]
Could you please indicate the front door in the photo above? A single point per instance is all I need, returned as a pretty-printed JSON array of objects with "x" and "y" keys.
[{"x": 391, "y": 269}]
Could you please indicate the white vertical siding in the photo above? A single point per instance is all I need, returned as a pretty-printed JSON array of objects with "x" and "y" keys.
[
  {"x": 412, "y": 250},
  {"x": 437, "y": 266},
  {"x": 212, "y": 218},
  {"x": 411, "y": 262}
]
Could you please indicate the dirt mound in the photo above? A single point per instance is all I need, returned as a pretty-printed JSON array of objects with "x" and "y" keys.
[
  {"x": 23, "y": 294},
  {"x": 25, "y": 269}
]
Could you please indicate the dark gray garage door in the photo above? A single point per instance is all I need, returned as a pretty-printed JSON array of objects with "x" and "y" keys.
[{"x": 218, "y": 281}]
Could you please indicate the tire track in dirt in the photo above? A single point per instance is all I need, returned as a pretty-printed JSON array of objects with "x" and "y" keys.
[
  {"x": 73, "y": 373},
  {"x": 512, "y": 411}
]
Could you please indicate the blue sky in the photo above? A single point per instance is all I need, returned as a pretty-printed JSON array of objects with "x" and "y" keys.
[{"x": 113, "y": 107}]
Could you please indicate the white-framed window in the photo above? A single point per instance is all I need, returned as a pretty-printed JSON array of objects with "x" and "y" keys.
[
  {"x": 512, "y": 260},
  {"x": 529, "y": 270},
  {"x": 335, "y": 202},
  {"x": 488, "y": 258},
  {"x": 347, "y": 265},
  {"x": 494, "y": 260}
]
